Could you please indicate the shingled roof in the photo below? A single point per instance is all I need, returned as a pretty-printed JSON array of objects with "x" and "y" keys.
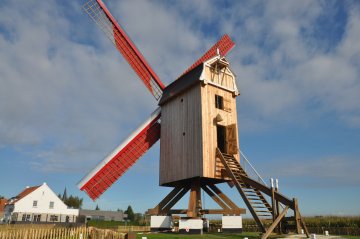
[{"x": 181, "y": 84}]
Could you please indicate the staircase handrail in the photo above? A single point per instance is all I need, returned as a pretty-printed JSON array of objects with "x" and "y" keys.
[{"x": 252, "y": 167}]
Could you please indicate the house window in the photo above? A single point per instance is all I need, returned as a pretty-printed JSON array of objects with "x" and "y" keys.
[
  {"x": 35, "y": 203},
  {"x": 51, "y": 205},
  {"x": 37, "y": 218},
  {"x": 54, "y": 218},
  {"x": 219, "y": 102},
  {"x": 26, "y": 217}
]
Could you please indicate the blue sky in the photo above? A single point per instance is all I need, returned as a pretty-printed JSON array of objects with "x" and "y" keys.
[{"x": 67, "y": 98}]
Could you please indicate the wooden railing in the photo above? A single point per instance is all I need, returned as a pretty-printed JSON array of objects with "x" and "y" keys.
[
  {"x": 8, "y": 232},
  {"x": 134, "y": 228}
]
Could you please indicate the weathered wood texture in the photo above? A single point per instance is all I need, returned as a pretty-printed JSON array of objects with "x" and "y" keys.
[
  {"x": 188, "y": 139},
  {"x": 181, "y": 143},
  {"x": 31, "y": 232}
]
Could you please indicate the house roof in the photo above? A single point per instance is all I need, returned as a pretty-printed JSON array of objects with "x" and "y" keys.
[
  {"x": 181, "y": 84},
  {"x": 26, "y": 191},
  {"x": 3, "y": 201},
  {"x": 23, "y": 194}
]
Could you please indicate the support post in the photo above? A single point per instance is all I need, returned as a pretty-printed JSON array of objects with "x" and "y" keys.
[
  {"x": 275, "y": 223},
  {"x": 273, "y": 201},
  {"x": 277, "y": 205},
  {"x": 195, "y": 207},
  {"x": 297, "y": 217}
]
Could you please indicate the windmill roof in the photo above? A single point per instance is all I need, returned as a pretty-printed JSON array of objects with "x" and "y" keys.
[{"x": 183, "y": 83}]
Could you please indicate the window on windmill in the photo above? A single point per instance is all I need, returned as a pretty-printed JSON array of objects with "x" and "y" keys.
[
  {"x": 51, "y": 205},
  {"x": 219, "y": 102}
]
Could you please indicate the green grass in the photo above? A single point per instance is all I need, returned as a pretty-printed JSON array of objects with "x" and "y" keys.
[
  {"x": 250, "y": 235},
  {"x": 351, "y": 237}
]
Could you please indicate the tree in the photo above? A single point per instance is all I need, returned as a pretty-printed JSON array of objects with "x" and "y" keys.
[
  {"x": 130, "y": 213},
  {"x": 97, "y": 207},
  {"x": 74, "y": 202},
  {"x": 64, "y": 196}
]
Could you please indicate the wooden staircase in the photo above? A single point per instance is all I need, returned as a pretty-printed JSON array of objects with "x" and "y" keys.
[
  {"x": 252, "y": 192},
  {"x": 253, "y": 198}
]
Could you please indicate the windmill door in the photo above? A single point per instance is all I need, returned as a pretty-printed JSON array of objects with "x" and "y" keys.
[
  {"x": 226, "y": 139},
  {"x": 231, "y": 140},
  {"x": 221, "y": 138}
]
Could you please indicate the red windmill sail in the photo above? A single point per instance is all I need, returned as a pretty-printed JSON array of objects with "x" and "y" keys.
[
  {"x": 97, "y": 10},
  {"x": 122, "y": 158},
  {"x": 225, "y": 44}
]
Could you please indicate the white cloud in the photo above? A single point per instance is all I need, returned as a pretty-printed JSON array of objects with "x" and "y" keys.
[{"x": 65, "y": 88}]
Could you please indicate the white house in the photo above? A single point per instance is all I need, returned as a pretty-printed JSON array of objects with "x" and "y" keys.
[{"x": 38, "y": 204}]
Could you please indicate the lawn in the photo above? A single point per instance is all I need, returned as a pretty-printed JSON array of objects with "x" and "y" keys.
[{"x": 250, "y": 235}]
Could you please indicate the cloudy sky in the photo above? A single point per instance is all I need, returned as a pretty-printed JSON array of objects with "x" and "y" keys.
[{"x": 67, "y": 97}]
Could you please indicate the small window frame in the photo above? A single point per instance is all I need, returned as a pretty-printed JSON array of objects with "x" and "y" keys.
[
  {"x": 51, "y": 205},
  {"x": 219, "y": 102}
]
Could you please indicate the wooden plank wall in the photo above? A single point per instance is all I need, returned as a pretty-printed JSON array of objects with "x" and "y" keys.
[
  {"x": 181, "y": 137},
  {"x": 209, "y": 133},
  {"x": 188, "y": 131}
]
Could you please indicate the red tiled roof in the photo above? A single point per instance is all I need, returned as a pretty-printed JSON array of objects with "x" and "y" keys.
[
  {"x": 26, "y": 192},
  {"x": 3, "y": 201}
]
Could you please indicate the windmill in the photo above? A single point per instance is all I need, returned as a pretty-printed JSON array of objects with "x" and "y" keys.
[{"x": 196, "y": 123}]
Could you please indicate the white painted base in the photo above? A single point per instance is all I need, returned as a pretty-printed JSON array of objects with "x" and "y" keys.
[
  {"x": 161, "y": 223},
  {"x": 191, "y": 225},
  {"x": 231, "y": 223}
]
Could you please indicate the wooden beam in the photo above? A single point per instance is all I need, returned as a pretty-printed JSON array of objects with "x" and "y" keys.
[
  {"x": 175, "y": 200},
  {"x": 226, "y": 212},
  {"x": 156, "y": 210},
  {"x": 273, "y": 201},
  {"x": 210, "y": 211},
  {"x": 275, "y": 223},
  {"x": 278, "y": 210},
  {"x": 215, "y": 198},
  {"x": 178, "y": 211},
  {"x": 297, "y": 216},
  {"x": 194, "y": 200},
  {"x": 303, "y": 225},
  {"x": 263, "y": 188},
  {"x": 223, "y": 196}
]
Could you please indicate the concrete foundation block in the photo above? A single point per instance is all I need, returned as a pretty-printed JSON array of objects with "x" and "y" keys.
[{"x": 232, "y": 224}]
